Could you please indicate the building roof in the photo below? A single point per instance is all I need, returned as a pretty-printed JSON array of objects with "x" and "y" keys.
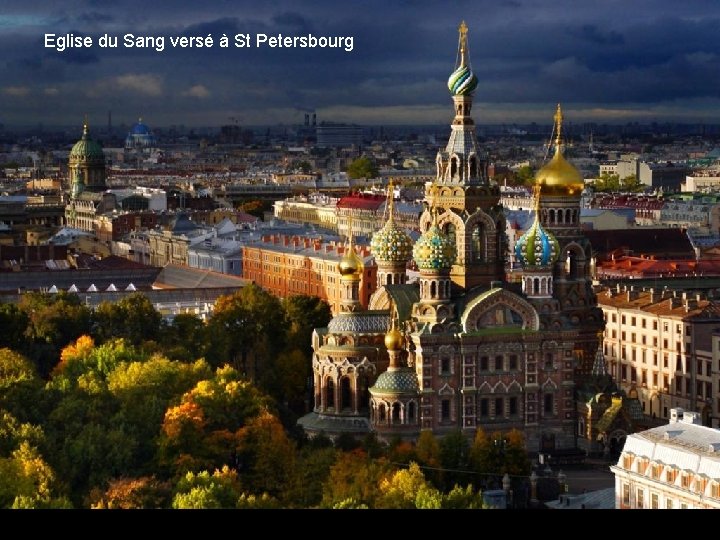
[
  {"x": 639, "y": 267},
  {"x": 601, "y": 499},
  {"x": 681, "y": 443},
  {"x": 667, "y": 307},
  {"x": 174, "y": 276},
  {"x": 660, "y": 243},
  {"x": 362, "y": 201}
]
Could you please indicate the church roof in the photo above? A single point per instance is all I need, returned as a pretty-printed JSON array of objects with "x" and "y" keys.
[
  {"x": 396, "y": 381},
  {"x": 403, "y": 296},
  {"x": 365, "y": 322}
]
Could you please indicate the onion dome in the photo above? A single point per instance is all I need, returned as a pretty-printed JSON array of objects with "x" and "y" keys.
[
  {"x": 462, "y": 81},
  {"x": 86, "y": 149},
  {"x": 434, "y": 250},
  {"x": 391, "y": 244},
  {"x": 537, "y": 247},
  {"x": 396, "y": 381},
  {"x": 140, "y": 136},
  {"x": 350, "y": 264},
  {"x": 558, "y": 177},
  {"x": 393, "y": 340}
]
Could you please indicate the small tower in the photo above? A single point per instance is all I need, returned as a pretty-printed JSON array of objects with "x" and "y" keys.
[
  {"x": 395, "y": 396},
  {"x": 434, "y": 253},
  {"x": 537, "y": 250},
  {"x": 350, "y": 268},
  {"x": 392, "y": 248}
]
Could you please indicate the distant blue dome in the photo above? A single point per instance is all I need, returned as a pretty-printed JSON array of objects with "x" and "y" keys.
[{"x": 140, "y": 136}]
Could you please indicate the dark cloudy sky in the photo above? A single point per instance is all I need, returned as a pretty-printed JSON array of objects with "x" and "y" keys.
[{"x": 606, "y": 60}]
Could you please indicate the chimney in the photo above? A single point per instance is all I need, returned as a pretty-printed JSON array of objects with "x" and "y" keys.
[
  {"x": 690, "y": 304},
  {"x": 654, "y": 296},
  {"x": 676, "y": 414},
  {"x": 673, "y": 302},
  {"x": 691, "y": 418}
]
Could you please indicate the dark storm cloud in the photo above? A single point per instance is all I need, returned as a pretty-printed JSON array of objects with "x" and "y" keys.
[{"x": 645, "y": 53}]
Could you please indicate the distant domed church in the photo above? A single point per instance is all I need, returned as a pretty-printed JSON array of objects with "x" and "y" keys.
[
  {"x": 140, "y": 137},
  {"x": 462, "y": 347}
]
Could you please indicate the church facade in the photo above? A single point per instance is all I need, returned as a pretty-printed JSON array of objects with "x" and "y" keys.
[{"x": 464, "y": 348}]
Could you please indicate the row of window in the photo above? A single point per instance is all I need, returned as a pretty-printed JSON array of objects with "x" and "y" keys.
[{"x": 624, "y": 319}]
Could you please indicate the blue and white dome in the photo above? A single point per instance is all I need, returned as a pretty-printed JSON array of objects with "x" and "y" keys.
[
  {"x": 537, "y": 247},
  {"x": 140, "y": 136}
]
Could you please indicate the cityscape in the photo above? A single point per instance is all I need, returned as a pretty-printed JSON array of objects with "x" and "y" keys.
[{"x": 305, "y": 285}]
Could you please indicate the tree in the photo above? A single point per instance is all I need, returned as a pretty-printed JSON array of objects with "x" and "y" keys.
[
  {"x": 454, "y": 458},
  {"x": 362, "y": 167},
  {"x": 54, "y": 321},
  {"x": 354, "y": 476},
  {"x": 202, "y": 431},
  {"x": 266, "y": 456},
  {"x": 243, "y": 328},
  {"x": 406, "y": 488},
  {"x": 184, "y": 338},
  {"x": 525, "y": 175},
  {"x": 131, "y": 493},
  {"x": 202, "y": 490},
  {"x": 133, "y": 318},
  {"x": 26, "y": 481},
  {"x": 304, "y": 313},
  {"x": 427, "y": 451},
  {"x": 14, "y": 323}
]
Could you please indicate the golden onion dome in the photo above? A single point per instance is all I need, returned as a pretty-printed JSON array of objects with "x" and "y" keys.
[
  {"x": 350, "y": 264},
  {"x": 560, "y": 178},
  {"x": 393, "y": 340}
]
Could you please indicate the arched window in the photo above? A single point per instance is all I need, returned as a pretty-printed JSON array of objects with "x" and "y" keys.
[
  {"x": 476, "y": 243},
  {"x": 381, "y": 412},
  {"x": 345, "y": 394},
  {"x": 552, "y": 216},
  {"x": 329, "y": 393},
  {"x": 411, "y": 411},
  {"x": 445, "y": 365},
  {"x": 433, "y": 289},
  {"x": 568, "y": 213},
  {"x": 396, "y": 413},
  {"x": 388, "y": 279},
  {"x": 473, "y": 167},
  {"x": 559, "y": 217},
  {"x": 453, "y": 167},
  {"x": 363, "y": 394},
  {"x": 536, "y": 286},
  {"x": 571, "y": 266},
  {"x": 548, "y": 404}
]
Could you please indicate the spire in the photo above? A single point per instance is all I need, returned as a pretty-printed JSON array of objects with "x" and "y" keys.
[
  {"x": 86, "y": 127},
  {"x": 558, "y": 127},
  {"x": 599, "y": 368},
  {"x": 463, "y": 55},
  {"x": 537, "y": 188},
  {"x": 390, "y": 206}
]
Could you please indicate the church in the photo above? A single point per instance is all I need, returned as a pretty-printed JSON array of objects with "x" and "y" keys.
[{"x": 463, "y": 347}]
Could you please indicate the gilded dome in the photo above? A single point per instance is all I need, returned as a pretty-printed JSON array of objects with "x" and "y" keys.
[
  {"x": 434, "y": 250},
  {"x": 391, "y": 244},
  {"x": 537, "y": 247},
  {"x": 462, "y": 81},
  {"x": 560, "y": 178},
  {"x": 393, "y": 340},
  {"x": 86, "y": 149},
  {"x": 350, "y": 264}
]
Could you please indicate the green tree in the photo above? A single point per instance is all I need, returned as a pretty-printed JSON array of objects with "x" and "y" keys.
[
  {"x": 525, "y": 175},
  {"x": 14, "y": 323},
  {"x": 184, "y": 338},
  {"x": 463, "y": 498},
  {"x": 243, "y": 330},
  {"x": 632, "y": 184},
  {"x": 304, "y": 313},
  {"x": 133, "y": 318},
  {"x": 454, "y": 458},
  {"x": 203, "y": 490},
  {"x": 362, "y": 167}
]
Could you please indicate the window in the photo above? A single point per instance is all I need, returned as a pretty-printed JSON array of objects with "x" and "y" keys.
[
  {"x": 445, "y": 410},
  {"x": 548, "y": 404},
  {"x": 669, "y": 504},
  {"x": 642, "y": 323},
  {"x": 666, "y": 327},
  {"x": 498, "y": 363},
  {"x": 514, "y": 363},
  {"x": 632, "y": 321},
  {"x": 670, "y": 476},
  {"x": 614, "y": 319},
  {"x": 639, "y": 499},
  {"x": 623, "y": 319},
  {"x": 715, "y": 490},
  {"x": 626, "y": 494},
  {"x": 513, "y": 402},
  {"x": 484, "y": 407},
  {"x": 499, "y": 407},
  {"x": 445, "y": 365},
  {"x": 685, "y": 481},
  {"x": 654, "y": 500},
  {"x": 483, "y": 363}
]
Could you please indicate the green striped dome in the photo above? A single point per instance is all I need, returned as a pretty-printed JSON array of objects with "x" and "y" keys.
[
  {"x": 462, "y": 81},
  {"x": 86, "y": 149},
  {"x": 537, "y": 247}
]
